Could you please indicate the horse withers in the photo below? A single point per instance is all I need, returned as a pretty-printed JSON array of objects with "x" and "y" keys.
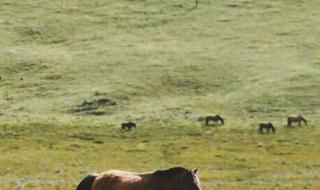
[
  {"x": 266, "y": 126},
  {"x": 177, "y": 178},
  {"x": 296, "y": 119},
  {"x": 128, "y": 126},
  {"x": 214, "y": 118}
]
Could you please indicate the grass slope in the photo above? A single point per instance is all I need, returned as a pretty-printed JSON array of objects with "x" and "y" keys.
[{"x": 249, "y": 60}]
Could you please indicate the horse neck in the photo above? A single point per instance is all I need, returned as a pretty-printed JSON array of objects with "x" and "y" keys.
[
  {"x": 304, "y": 120},
  {"x": 218, "y": 117}
]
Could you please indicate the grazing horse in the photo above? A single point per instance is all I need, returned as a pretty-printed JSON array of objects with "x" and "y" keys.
[
  {"x": 214, "y": 118},
  {"x": 296, "y": 119},
  {"x": 177, "y": 178},
  {"x": 267, "y": 126},
  {"x": 128, "y": 126}
]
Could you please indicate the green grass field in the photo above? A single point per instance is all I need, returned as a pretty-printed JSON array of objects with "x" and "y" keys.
[{"x": 251, "y": 61}]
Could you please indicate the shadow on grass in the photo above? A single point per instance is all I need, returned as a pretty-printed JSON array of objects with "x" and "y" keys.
[{"x": 212, "y": 125}]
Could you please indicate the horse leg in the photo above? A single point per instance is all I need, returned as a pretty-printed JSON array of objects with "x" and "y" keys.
[
  {"x": 260, "y": 130},
  {"x": 289, "y": 123}
]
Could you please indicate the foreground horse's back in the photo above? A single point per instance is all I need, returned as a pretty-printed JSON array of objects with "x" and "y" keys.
[
  {"x": 176, "y": 178},
  {"x": 86, "y": 183},
  {"x": 121, "y": 180}
]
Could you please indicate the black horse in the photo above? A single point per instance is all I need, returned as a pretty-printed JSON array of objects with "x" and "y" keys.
[
  {"x": 214, "y": 118},
  {"x": 267, "y": 126},
  {"x": 128, "y": 126}
]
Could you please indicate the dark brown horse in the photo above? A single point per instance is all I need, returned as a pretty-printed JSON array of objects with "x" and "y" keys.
[
  {"x": 215, "y": 118},
  {"x": 177, "y": 178},
  {"x": 128, "y": 126},
  {"x": 296, "y": 119},
  {"x": 267, "y": 126}
]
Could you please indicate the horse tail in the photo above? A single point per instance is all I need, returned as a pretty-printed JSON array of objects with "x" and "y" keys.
[{"x": 86, "y": 183}]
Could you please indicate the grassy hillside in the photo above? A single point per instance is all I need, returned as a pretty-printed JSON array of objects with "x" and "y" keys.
[{"x": 63, "y": 62}]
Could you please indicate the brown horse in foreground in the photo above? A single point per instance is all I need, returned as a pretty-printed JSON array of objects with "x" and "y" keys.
[
  {"x": 267, "y": 126},
  {"x": 177, "y": 178},
  {"x": 296, "y": 119},
  {"x": 214, "y": 118}
]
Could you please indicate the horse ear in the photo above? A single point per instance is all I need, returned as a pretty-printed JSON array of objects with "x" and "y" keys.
[{"x": 195, "y": 171}]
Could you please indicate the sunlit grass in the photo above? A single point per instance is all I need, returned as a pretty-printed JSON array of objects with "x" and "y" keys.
[{"x": 165, "y": 65}]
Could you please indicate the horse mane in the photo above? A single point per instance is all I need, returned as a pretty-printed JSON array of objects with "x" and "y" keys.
[
  {"x": 301, "y": 116},
  {"x": 170, "y": 172}
]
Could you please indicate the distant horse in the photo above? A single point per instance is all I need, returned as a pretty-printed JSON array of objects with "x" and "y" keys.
[
  {"x": 296, "y": 119},
  {"x": 177, "y": 178},
  {"x": 214, "y": 118},
  {"x": 128, "y": 126},
  {"x": 267, "y": 126}
]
